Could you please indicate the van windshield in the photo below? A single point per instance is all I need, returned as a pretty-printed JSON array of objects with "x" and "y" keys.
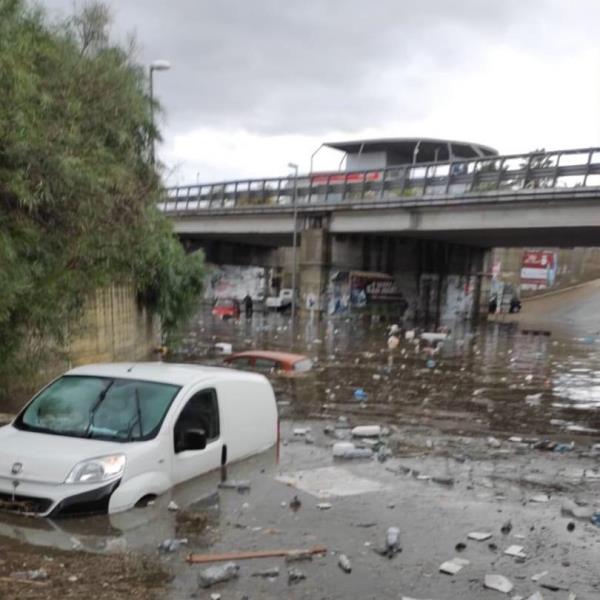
[{"x": 123, "y": 410}]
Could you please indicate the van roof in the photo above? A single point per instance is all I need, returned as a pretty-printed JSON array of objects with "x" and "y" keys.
[{"x": 173, "y": 373}]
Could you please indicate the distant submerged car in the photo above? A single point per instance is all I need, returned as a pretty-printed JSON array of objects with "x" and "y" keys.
[
  {"x": 226, "y": 308},
  {"x": 271, "y": 362}
]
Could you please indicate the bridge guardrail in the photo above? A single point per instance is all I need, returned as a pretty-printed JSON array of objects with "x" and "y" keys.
[{"x": 497, "y": 175}]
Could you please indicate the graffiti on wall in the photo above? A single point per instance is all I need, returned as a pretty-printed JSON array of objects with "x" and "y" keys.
[{"x": 234, "y": 281}]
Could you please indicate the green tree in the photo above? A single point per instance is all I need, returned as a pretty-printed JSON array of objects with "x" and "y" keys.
[{"x": 78, "y": 191}]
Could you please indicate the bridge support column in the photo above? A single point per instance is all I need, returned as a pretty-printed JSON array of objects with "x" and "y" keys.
[{"x": 314, "y": 266}]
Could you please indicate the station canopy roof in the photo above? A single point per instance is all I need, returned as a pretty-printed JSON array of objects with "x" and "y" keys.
[{"x": 405, "y": 150}]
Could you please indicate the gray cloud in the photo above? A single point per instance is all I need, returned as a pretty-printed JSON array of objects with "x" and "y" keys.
[{"x": 310, "y": 66}]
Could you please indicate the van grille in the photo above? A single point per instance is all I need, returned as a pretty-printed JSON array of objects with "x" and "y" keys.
[{"x": 24, "y": 504}]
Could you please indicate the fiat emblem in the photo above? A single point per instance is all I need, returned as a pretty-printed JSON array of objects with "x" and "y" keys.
[{"x": 16, "y": 468}]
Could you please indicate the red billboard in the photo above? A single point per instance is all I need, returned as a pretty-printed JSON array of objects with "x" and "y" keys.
[{"x": 538, "y": 269}]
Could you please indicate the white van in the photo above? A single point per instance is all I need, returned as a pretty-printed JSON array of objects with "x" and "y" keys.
[{"x": 105, "y": 437}]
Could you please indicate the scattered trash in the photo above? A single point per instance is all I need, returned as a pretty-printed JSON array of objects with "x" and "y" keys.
[
  {"x": 540, "y": 498},
  {"x": 267, "y": 573},
  {"x": 392, "y": 542},
  {"x": 492, "y": 442},
  {"x": 173, "y": 506},
  {"x": 344, "y": 563},
  {"x": 536, "y": 596},
  {"x": 449, "y": 481},
  {"x": 298, "y": 555},
  {"x": 538, "y": 576},
  {"x": 595, "y": 519},
  {"x": 33, "y": 575},
  {"x": 223, "y": 348},
  {"x": 479, "y": 536},
  {"x": 172, "y": 545},
  {"x": 295, "y": 504},
  {"x": 393, "y": 342},
  {"x": 409, "y": 335},
  {"x": 516, "y": 551},
  {"x": 570, "y": 508},
  {"x": 309, "y": 439},
  {"x": 498, "y": 583},
  {"x": 430, "y": 336},
  {"x": 533, "y": 399},
  {"x": 452, "y": 567},
  {"x": 301, "y": 431},
  {"x": 215, "y": 597},
  {"x": 241, "y": 485},
  {"x": 564, "y": 447},
  {"x": 218, "y": 574},
  {"x": 349, "y": 450},
  {"x": 324, "y": 505},
  {"x": 295, "y": 576},
  {"x": 430, "y": 364},
  {"x": 367, "y": 431},
  {"x": 506, "y": 528},
  {"x": 360, "y": 394}
]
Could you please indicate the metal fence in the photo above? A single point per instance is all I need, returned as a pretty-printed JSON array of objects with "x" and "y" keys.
[{"x": 561, "y": 170}]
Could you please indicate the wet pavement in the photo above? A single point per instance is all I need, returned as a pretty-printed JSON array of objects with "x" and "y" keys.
[{"x": 469, "y": 439}]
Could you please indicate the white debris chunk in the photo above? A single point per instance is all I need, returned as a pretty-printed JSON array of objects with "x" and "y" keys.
[
  {"x": 538, "y": 576},
  {"x": 452, "y": 567},
  {"x": 367, "y": 431},
  {"x": 516, "y": 551},
  {"x": 479, "y": 536},
  {"x": 540, "y": 498},
  {"x": 493, "y": 581}
]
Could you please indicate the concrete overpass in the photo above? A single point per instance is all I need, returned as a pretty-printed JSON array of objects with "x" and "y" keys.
[
  {"x": 412, "y": 220},
  {"x": 546, "y": 199}
]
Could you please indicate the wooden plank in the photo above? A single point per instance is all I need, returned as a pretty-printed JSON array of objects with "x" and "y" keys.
[{"x": 206, "y": 558}]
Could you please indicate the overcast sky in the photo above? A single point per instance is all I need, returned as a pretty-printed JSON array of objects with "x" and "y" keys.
[{"x": 256, "y": 84}]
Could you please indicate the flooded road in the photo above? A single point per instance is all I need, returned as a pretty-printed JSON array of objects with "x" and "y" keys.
[
  {"x": 465, "y": 448},
  {"x": 498, "y": 377}
]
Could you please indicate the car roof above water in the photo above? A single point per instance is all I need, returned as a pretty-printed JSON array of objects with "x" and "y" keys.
[{"x": 159, "y": 372}]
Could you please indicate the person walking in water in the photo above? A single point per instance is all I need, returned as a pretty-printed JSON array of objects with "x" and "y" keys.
[{"x": 248, "y": 305}]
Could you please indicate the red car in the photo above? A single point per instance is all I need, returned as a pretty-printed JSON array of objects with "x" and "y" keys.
[
  {"x": 271, "y": 362},
  {"x": 226, "y": 308}
]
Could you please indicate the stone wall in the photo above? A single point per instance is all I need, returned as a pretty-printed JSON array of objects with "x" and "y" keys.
[{"x": 114, "y": 327}]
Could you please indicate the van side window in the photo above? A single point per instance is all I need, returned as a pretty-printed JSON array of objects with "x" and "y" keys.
[{"x": 200, "y": 412}]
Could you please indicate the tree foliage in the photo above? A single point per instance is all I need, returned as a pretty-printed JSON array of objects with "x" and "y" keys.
[{"x": 78, "y": 191}]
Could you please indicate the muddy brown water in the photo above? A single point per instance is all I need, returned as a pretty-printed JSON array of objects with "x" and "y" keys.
[{"x": 496, "y": 377}]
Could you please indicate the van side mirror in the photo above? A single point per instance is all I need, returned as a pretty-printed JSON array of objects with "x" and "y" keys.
[{"x": 192, "y": 439}]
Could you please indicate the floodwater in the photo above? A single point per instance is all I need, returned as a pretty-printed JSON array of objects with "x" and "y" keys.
[
  {"x": 443, "y": 479},
  {"x": 497, "y": 377}
]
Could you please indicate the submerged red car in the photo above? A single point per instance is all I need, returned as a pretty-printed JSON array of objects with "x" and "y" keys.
[
  {"x": 271, "y": 362},
  {"x": 226, "y": 308}
]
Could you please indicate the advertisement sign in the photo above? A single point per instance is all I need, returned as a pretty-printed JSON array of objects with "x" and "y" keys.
[
  {"x": 367, "y": 287},
  {"x": 538, "y": 269}
]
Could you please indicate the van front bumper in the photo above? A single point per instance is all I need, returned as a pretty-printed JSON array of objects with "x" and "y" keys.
[{"x": 56, "y": 500}]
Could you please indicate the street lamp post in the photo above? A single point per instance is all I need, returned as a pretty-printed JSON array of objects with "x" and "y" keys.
[
  {"x": 157, "y": 65},
  {"x": 294, "y": 240}
]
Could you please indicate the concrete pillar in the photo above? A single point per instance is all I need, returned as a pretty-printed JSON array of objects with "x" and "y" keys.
[{"x": 314, "y": 257}]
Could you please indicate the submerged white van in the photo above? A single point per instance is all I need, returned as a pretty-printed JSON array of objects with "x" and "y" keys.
[{"x": 104, "y": 437}]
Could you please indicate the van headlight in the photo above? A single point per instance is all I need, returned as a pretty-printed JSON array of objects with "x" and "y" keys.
[{"x": 96, "y": 470}]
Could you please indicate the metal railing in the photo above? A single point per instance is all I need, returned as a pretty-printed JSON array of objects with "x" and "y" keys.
[{"x": 561, "y": 171}]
